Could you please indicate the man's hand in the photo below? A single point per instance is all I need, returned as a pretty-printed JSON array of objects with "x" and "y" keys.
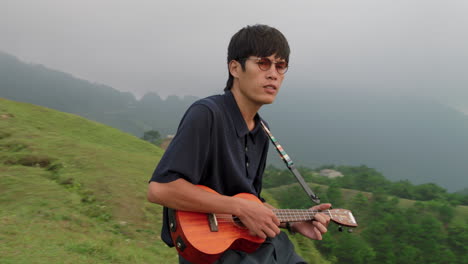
[
  {"x": 260, "y": 220},
  {"x": 316, "y": 228}
]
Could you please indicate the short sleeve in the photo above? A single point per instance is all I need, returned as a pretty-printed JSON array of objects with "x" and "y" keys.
[{"x": 186, "y": 155}]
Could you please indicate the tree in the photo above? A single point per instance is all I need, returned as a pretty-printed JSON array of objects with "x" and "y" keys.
[
  {"x": 334, "y": 195},
  {"x": 458, "y": 241},
  {"x": 152, "y": 136},
  {"x": 429, "y": 191},
  {"x": 353, "y": 249}
]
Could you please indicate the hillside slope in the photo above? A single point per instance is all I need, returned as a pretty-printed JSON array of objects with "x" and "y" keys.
[{"x": 74, "y": 191}]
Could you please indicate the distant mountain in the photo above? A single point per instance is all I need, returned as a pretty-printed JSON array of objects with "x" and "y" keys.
[
  {"x": 403, "y": 137},
  {"x": 463, "y": 192},
  {"x": 39, "y": 85}
]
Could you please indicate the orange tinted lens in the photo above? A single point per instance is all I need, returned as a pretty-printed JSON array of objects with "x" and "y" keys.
[
  {"x": 264, "y": 64},
  {"x": 281, "y": 66}
]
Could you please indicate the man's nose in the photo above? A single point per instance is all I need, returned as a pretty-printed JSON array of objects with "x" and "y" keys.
[{"x": 272, "y": 73}]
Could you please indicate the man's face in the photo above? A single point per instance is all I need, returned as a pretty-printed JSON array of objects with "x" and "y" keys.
[{"x": 260, "y": 86}]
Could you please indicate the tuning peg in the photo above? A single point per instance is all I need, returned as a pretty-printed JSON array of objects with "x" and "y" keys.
[
  {"x": 340, "y": 228},
  {"x": 350, "y": 230}
]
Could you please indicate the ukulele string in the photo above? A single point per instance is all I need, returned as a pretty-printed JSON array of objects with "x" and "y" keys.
[
  {"x": 282, "y": 214},
  {"x": 298, "y": 214}
]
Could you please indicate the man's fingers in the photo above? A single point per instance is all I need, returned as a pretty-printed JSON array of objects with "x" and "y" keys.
[
  {"x": 276, "y": 229},
  {"x": 276, "y": 221},
  {"x": 318, "y": 235},
  {"x": 322, "y": 218},
  {"x": 267, "y": 230},
  {"x": 258, "y": 233},
  {"x": 319, "y": 218},
  {"x": 272, "y": 229},
  {"x": 274, "y": 225},
  {"x": 260, "y": 220},
  {"x": 320, "y": 227},
  {"x": 270, "y": 233},
  {"x": 321, "y": 207}
]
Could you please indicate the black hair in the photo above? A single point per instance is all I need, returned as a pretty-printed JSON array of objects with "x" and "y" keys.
[{"x": 257, "y": 40}]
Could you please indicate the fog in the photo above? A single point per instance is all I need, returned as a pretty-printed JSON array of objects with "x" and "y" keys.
[{"x": 179, "y": 47}]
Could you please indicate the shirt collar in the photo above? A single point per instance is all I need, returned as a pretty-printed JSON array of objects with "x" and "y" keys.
[
  {"x": 257, "y": 128},
  {"x": 236, "y": 115}
]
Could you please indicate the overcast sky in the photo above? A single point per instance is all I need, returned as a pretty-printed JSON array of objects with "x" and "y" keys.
[{"x": 179, "y": 47}]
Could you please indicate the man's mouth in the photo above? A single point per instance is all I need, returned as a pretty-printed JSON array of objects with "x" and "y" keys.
[{"x": 270, "y": 87}]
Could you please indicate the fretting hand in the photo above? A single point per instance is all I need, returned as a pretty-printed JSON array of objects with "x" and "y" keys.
[{"x": 316, "y": 228}]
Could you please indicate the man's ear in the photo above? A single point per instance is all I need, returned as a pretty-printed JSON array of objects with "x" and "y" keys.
[{"x": 234, "y": 68}]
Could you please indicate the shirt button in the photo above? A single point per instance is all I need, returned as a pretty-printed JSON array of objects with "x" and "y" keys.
[
  {"x": 247, "y": 164},
  {"x": 246, "y": 148}
]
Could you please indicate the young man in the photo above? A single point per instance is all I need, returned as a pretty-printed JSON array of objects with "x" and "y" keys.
[{"x": 220, "y": 144}]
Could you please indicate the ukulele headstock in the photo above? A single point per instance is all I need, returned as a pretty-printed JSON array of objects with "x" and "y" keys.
[{"x": 343, "y": 217}]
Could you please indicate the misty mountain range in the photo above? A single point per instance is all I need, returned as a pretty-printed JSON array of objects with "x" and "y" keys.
[
  {"x": 39, "y": 85},
  {"x": 403, "y": 137}
]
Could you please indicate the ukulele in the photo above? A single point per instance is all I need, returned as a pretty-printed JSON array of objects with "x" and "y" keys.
[{"x": 202, "y": 238}]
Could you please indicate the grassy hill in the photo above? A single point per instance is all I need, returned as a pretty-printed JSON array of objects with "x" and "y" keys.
[
  {"x": 387, "y": 224},
  {"x": 74, "y": 191}
]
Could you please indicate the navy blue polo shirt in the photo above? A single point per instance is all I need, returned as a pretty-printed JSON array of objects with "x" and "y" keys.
[{"x": 214, "y": 147}]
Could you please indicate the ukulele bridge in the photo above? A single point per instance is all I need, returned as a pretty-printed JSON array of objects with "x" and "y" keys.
[{"x": 213, "y": 222}]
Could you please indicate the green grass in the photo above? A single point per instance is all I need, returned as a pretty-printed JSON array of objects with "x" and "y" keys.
[
  {"x": 74, "y": 191},
  {"x": 461, "y": 214}
]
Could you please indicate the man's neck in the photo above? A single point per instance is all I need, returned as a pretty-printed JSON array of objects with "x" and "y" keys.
[{"x": 247, "y": 109}]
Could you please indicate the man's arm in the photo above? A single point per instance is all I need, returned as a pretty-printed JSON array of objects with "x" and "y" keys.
[{"x": 182, "y": 195}]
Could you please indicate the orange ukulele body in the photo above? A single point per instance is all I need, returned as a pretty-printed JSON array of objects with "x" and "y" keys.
[
  {"x": 198, "y": 243},
  {"x": 202, "y": 238}
]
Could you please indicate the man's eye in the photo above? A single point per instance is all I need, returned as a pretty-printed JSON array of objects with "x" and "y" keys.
[
  {"x": 263, "y": 62},
  {"x": 281, "y": 65}
]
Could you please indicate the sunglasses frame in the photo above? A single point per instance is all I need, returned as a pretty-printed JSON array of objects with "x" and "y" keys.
[{"x": 270, "y": 62}]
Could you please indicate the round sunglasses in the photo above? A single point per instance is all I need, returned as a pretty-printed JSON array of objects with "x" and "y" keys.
[{"x": 265, "y": 64}]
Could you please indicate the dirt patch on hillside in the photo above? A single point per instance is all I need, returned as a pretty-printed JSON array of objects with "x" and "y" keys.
[
  {"x": 165, "y": 143},
  {"x": 6, "y": 116},
  {"x": 30, "y": 161}
]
